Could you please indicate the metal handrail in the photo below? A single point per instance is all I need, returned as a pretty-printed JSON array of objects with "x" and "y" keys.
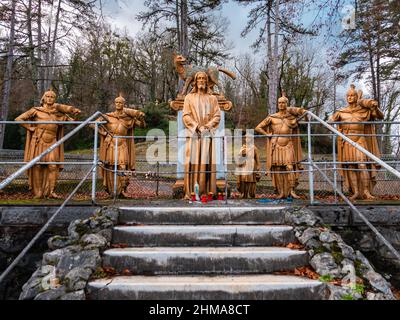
[
  {"x": 44, "y": 228},
  {"x": 31, "y": 163},
  {"x": 354, "y": 208},
  {"x": 355, "y": 145}
]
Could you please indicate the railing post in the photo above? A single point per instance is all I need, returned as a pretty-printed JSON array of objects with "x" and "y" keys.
[
  {"x": 115, "y": 167},
  {"x": 225, "y": 168},
  {"x": 94, "y": 175},
  {"x": 310, "y": 167},
  {"x": 334, "y": 165}
]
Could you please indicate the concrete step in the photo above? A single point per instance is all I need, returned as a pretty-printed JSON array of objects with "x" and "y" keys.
[
  {"x": 202, "y": 215},
  {"x": 203, "y": 235},
  {"x": 204, "y": 260},
  {"x": 252, "y": 287}
]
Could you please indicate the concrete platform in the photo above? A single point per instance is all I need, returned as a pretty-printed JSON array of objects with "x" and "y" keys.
[
  {"x": 253, "y": 287},
  {"x": 203, "y": 235},
  {"x": 202, "y": 215},
  {"x": 204, "y": 260}
]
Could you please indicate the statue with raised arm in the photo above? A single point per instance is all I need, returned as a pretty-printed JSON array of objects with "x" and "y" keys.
[
  {"x": 283, "y": 152},
  {"x": 42, "y": 178},
  {"x": 360, "y": 181},
  {"x": 201, "y": 117},
  {"x": 121, "y": 122}
]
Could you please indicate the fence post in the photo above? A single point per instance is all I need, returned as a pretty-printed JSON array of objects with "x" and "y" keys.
[
  {"x": 158, "y": 178},
  {"x": 334, "y": 164},
  {"x": 310, "y": 167},
  {"x": 94, "y": 175},
  {"x": 115, "y": 167}
]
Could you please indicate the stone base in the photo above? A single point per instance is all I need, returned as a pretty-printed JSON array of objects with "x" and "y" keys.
[{"x": 178, "y": 193}]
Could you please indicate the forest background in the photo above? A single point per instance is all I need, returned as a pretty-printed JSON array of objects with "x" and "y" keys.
[{"x": 311, "y": 49}]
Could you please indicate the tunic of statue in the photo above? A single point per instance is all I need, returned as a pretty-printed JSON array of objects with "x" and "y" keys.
[
  {"x": 247, "y": 170},
  {"x": 283, "y": 152},
  {"x": 201, "y": 116},
  {"x": 42, "y": 178},
  {"x": 121, "y": 122},
  {"x": 359, "y": 182}
]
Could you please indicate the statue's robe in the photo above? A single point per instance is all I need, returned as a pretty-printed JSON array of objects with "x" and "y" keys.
[
  {"x": 346, "y": 152},
  {"x": 119, "y": 125},
  {"x": 200, "y": 154},
  {"x": 280, "y": 156},
  {"x": 44, "y": 136},
  {"x": 247, "y": 171}
]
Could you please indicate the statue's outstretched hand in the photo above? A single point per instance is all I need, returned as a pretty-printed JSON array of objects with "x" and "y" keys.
[{"x": 75, "y": 111}]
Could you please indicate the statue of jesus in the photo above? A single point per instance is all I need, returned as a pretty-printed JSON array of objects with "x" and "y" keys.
[{"x": 201, "y": 117}]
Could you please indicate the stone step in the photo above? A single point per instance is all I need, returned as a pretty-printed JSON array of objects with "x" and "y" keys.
[
  {"x": 202, "y": 215},
  {"x": 203, "y": 235},
  {"x": 204, "y": 260},
  {"x": 250, "y": 287}
]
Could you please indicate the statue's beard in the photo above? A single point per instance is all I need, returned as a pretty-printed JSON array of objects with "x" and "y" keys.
[{"x": 201, "y": 86}]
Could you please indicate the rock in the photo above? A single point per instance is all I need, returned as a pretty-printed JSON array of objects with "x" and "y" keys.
[
  {"x": 301, "y": 216},
  {"x": 338, "y": 292},
  {"x": 329, "y": 237},
  {"x": 84, "y": 259},
  {"x": 378, "y": 282},
  {"x": 91, "y": 241},
  {"x": 378, "y": 296},
  {"x": 52, "y": 294},
  {"x": 313, "y": 244},
  {"x": 77, "y": 278},
  {"x": 106, "y": 233},
  {"x": 78, "y": 228},
  {"x": 308, "y": 234},
  {"x": 58, "y": 242},
  {"x": 343, "y": 293},
  {"x": 50, "y": 281},
  {"x": 32, "y": 287},
  {"x": 365, "y": 264},
  {"x": 347, "y": 251},
  {"x": 348, "y": 271},
  {"x": 112, "y": 213},
  {"x": 52, "y": 257},
  {"x": 76, "y": 295},
  {"x": 366, "y": 243},
  {"x": 324, "y": 264}
]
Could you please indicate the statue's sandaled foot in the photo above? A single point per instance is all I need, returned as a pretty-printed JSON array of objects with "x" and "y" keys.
[
  {"x": 186, "y": 197},
  {"x": 294, "y": 195},
  {"x": 54, "y": 195},
  {"x": 38, "y": 196},
  {"x": 354, "y": 196},
  {"x": 280, "y": 196},
  {"x": 368, "y": 196},
  {"x": 125, "y": 194}
]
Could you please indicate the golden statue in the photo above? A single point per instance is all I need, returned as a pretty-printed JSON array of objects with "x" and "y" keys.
[
  {"x": 42, "y": 178},
  {"x": 248, "y": 166},
  {"x": 359, "y": 182},
  {"x": 121, "y": 122},
  {"x": 283, "y": 153},
  {"x": 201, "y": 117}
]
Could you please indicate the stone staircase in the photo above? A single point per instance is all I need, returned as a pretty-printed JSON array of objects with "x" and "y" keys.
[{"x": 204, "y": 253}]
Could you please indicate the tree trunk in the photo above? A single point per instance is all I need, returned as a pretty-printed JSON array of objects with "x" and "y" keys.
[
  {"x": 39, "y": 50},
  {"x": 53, "y": 46},
  {"x": 178, "y": 27},
  {"x": 7, "y": 75},
  {"x": 269, "y": 59},
  {"x": 33, "y": 64},
  {"x": 184, "y": 28},
  {"x": 274, "y": 90},
  {"x": 47, "y": 56}
]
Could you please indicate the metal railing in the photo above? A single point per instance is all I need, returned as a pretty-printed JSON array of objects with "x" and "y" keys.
[{"x": 35, "y": 161}]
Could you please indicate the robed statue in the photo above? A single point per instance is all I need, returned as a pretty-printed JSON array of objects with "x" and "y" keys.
[
  {"x": 201, "y": 117},
  {"x": 121, "y": 122},
  {"x": 361, "y": 180},
  {"x": 42, "y": 178},
  {"x": 248, "y": 168},
  {"x": 283, "y": 151}
]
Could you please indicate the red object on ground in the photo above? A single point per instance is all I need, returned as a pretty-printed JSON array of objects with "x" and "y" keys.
[
  {"x": 193, "y": 197},
  {"x": 203, "y": 198},
  {"x": 220, "y": 197},
  {"x": 210, "y": 196}
]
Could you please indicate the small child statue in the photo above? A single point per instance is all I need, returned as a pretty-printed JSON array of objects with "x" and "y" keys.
[{"x": 248, "y": 169}]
